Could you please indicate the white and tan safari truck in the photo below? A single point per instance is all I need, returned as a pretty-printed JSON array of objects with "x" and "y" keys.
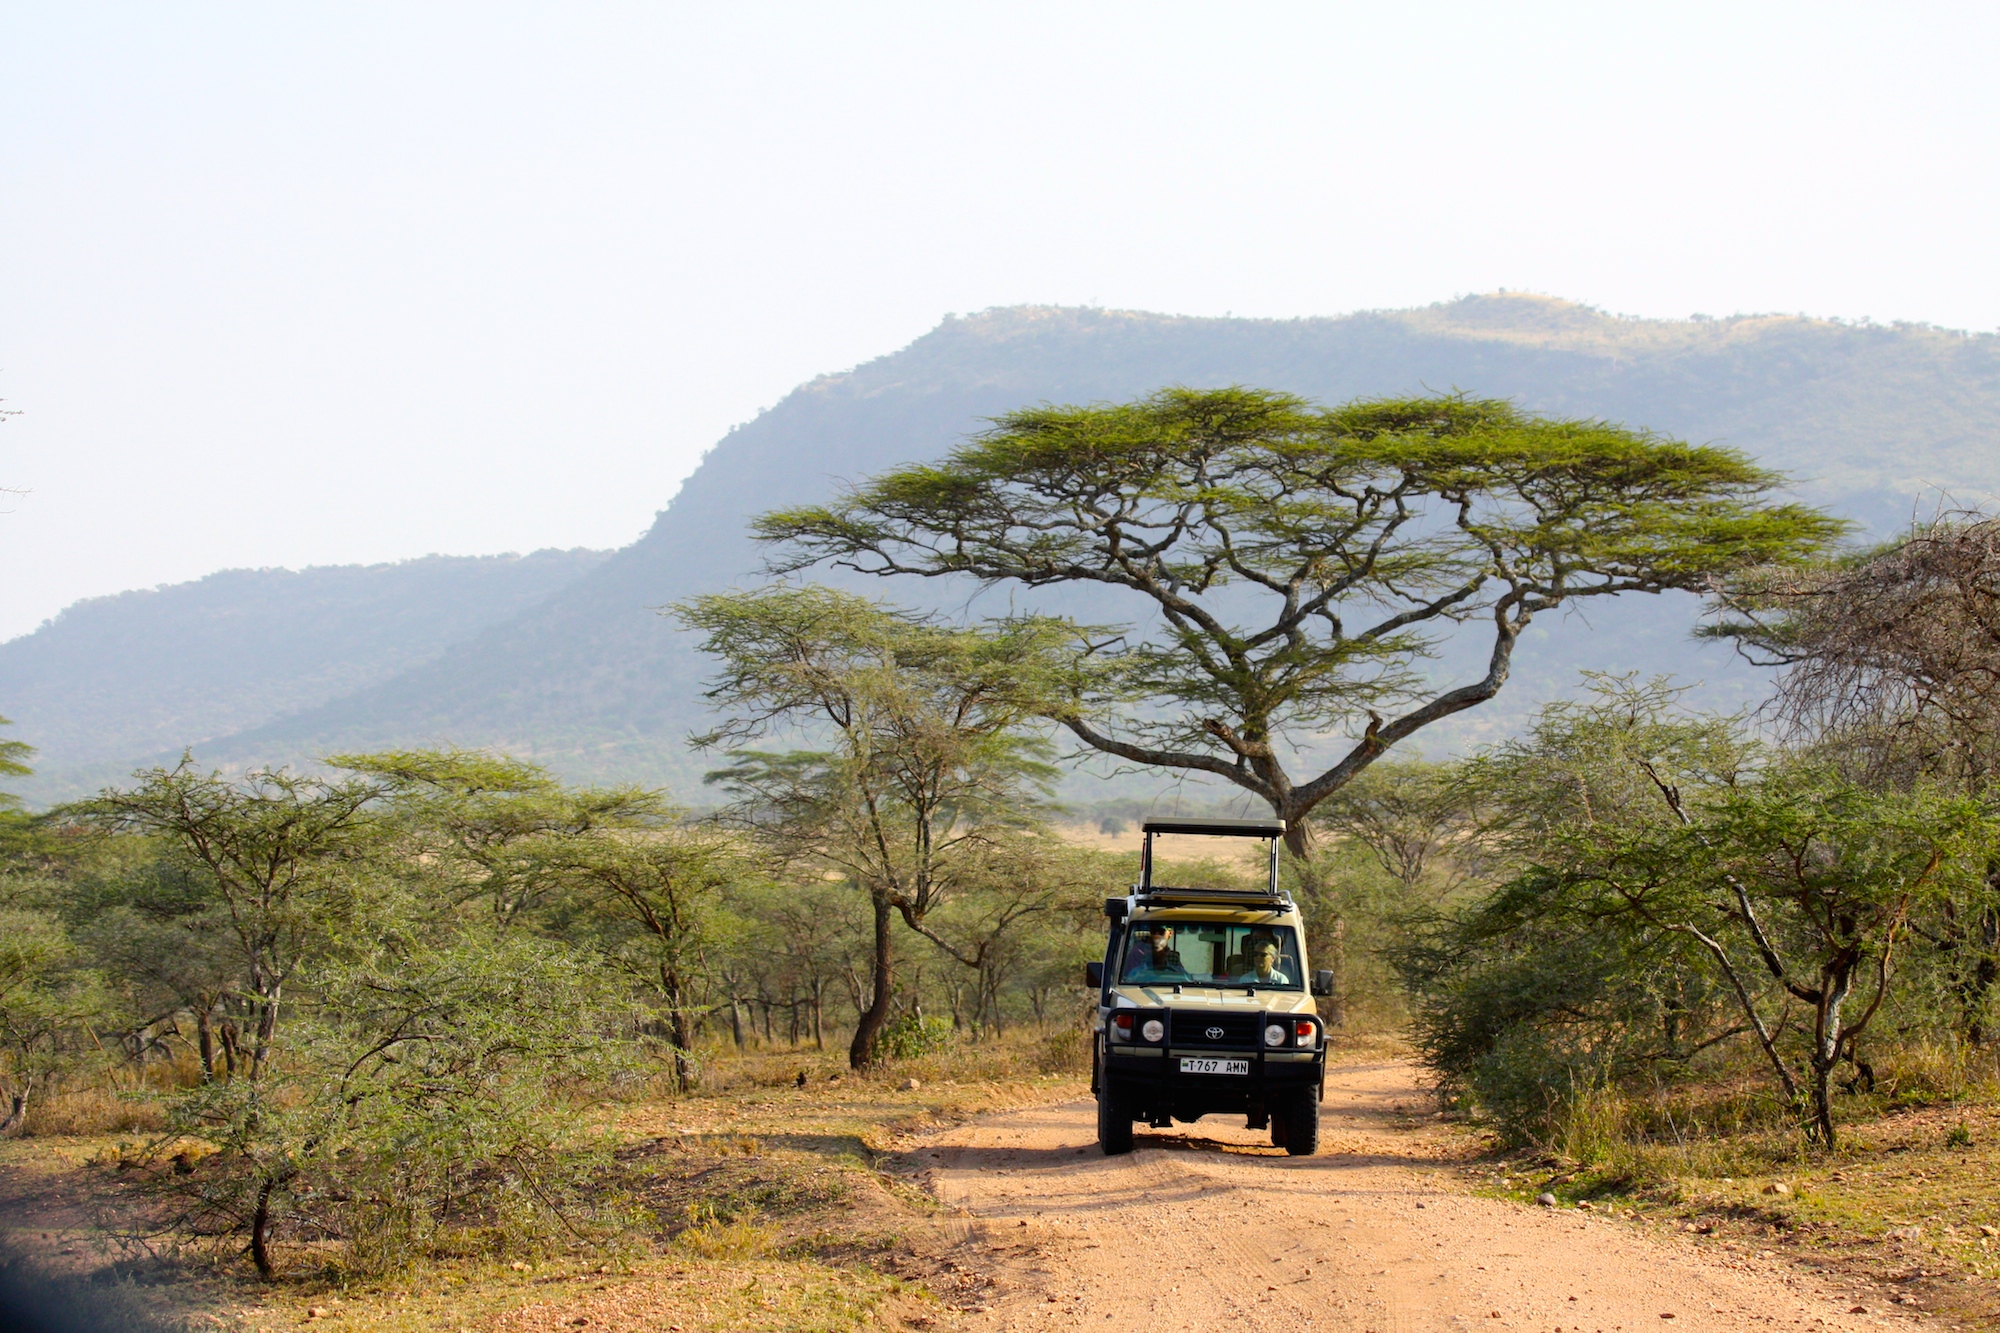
[{"x": 1203, "y": 1003}]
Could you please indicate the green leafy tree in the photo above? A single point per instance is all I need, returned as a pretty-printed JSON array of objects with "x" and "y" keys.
[
  {"x": 170, "y": 942},
  {"x": 1415, "y": 819},
  {"x": 45, "y": 996},
  {"x": 425, "y": 1106},
  {"x": 1300, "y": 562},
  {"x": 14, "y": 756},
  {"x": 285, "y": 858},
  {"x": 927, "y": 762},
  {"x": 646, "y": 895},
  {"x": 803, "y": 937},
  {"x": 492, "y": 828},
  {"x": 1015, "y": 908},
  {"x": 1890, "y": 662},
  {"x": 1669, "y": 870}
]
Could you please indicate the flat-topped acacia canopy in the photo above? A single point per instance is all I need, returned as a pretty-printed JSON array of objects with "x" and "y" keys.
[{"x": 1301, "y": 559}]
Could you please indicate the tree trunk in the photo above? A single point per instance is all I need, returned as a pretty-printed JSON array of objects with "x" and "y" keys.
[
  {"x": 819, "y": 1014},
  {"x": 1823, "y": 1103},
  {"x": 861, "y": 1053},
  {"x": 736, "y": 1021},
  {"x": 680, "y": 1030},
  {"x": 260, "y": 1231},
  {"x": 1984, "y": 973},
  {"x": 17, "y": 1111},
  {"x": 204, "y": 1033},
  {"x": 267, "y": 1030}
]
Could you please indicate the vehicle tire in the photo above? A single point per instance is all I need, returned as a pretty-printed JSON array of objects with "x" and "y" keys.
[
  {"x": 1114, "y": 1118},
  {"x": 1298, "y": 1112}
]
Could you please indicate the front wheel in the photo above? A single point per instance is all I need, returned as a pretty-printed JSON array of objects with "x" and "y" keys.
[
  {"x": 1295, "y": 1122},
  {"x": 1114, "y": 1118}
]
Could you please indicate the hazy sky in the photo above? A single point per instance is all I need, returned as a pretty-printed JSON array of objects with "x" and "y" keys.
[{"x": 296, "y": 284}]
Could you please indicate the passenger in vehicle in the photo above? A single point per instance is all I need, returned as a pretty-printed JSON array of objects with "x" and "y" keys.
[{"x": 1153, "y": 956}]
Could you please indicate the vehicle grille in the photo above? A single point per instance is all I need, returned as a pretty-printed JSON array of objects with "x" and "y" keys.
[{"x": 1192, "y": 1029}]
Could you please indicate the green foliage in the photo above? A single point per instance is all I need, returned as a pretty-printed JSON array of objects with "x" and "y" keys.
[
  {"x": 496, "y": 829},
  {"x": 427, "y": 1107},
  {"x": 913, "y": 1036},
  {"x": 407, "y": 986},
  {"x": 13, "y": 764},
  {"x": 1301, "y": 559},
  {"x": 928, "y": 771},
  {"x": 46, "y": 999},
  {"x": 287, "y": 860},
  {"x": 1676, "y": 891},
  {"x": 647, "y": 897}
]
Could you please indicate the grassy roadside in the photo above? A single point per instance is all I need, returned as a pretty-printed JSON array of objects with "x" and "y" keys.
[
  {"x": 772, "y": 1209},
  {"x": 767, "y": 1208},
  {"x": 1907, "y": 1207}
]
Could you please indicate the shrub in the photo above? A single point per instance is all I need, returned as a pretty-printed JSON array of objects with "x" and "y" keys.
[
  {"x": 911, "y": 1038},
  {"x": 426, "y": 1108}
]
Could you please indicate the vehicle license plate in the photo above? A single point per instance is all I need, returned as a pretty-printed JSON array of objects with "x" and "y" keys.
[{"x": 1196, "y": 1064}]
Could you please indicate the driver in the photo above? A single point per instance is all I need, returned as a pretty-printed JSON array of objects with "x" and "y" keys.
[{"x": 1260, "y": 955}]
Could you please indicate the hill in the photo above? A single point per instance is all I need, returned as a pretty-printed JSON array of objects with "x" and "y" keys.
[
  {"x": 1871, "y": 420},
  {"x": 116, "y": 680}
]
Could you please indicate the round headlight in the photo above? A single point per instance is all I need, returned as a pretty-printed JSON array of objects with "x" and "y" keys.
[
  {"x": 1275, "y": 1035},
  {"x": 1153, "y": 1030}
]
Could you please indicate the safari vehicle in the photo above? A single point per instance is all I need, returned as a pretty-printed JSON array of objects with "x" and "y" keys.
[{"x": 1202, "y": 1006}]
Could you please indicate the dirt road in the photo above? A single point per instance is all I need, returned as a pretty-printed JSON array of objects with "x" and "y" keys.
[{"x": 1206, "y": 1227}]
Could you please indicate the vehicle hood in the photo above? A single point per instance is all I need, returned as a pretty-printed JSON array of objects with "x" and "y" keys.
[{"x": 1212, "y": 998}]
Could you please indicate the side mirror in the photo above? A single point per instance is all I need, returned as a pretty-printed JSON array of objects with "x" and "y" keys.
[
  {"x": 1323, "y": 983},
  {"x": 1115, "y": 908},
  {"x": 1093, "y": 975}
]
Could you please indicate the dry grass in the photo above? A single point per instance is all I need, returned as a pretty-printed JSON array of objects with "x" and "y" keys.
[
  {"x": 769, "y": 1210},
  {"x": 121, "y": 1100},
  {"x": 1908, "y": 1204},
  {"x": 81, "y": 1112}
]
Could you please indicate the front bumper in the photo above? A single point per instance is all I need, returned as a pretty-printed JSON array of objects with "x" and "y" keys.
[{"x": 1152, "y": 1081}]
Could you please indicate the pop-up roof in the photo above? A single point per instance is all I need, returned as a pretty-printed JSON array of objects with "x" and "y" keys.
[
  {"x": 1218, "y": 828},
  {"x": 1213, "y": 828}
]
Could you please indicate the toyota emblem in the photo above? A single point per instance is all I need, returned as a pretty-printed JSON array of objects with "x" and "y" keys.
[{"x": 1214, "y": 1034}]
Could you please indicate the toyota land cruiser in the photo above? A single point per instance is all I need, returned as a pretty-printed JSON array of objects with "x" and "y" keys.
[{"x": 1202, "y": 1003}]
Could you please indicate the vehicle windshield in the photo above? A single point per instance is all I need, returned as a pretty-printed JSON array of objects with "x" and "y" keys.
[{"x": 1201, "y": 953}]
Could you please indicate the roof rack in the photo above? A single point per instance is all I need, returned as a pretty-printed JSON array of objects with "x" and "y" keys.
[
  {"x": 1163, "y": 895},
  {"x": 1217, "y": 828}
]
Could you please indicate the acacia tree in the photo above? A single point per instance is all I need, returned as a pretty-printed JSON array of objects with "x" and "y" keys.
[
  {"x": 43, "y": 997},
  {"x": 646, "y": 894},
  {"x": 283, "y": 857},
  {"x": 1892, "y": 657},
  {"x": 1413, "y": 818},
  {"x": 13, "y": 756},
  {"x": 926, "y": 764},
  {"x": 1298, "y": 561},
  {"x": 1672, "y": 876},
  {"x": 493, "y": 828}
]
